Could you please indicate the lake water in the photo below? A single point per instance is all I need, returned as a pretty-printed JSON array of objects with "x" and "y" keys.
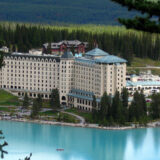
[{"x": 79, "y": 143}]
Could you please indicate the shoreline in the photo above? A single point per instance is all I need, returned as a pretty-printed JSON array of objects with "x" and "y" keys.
[{"x": 150, "y": 125}]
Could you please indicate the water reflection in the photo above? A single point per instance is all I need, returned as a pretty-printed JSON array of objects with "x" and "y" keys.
[
  {"x": 78, "y": 143},
  {"x": 137, "y": 136},
  {"x": 156, "y": 138}
]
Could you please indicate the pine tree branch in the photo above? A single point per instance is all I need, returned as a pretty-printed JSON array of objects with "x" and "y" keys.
[
  {"x": 144, "y": 6},
  {"x": 143, "y": 24}
]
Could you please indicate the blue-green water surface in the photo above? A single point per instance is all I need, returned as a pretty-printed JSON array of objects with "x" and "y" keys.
[{"x": 79, "y": 143}]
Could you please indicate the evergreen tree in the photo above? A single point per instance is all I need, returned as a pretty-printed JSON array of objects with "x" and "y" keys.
[
  {"x": 54, "y": 100},
  {"x": 35, "y": 109},
  {"x": 25, "y": 101},
  {"x": 126, "y": 44},
  {"x": 39, "y": 101},
  {"x": 143, "y": 104},
  {"x": 124, "y": 97},
  {"x": 72, "y": 50},
  {"x": 117, "y": 109},
  {"x": 94, "y": 108},
  {"x": 103, "y": 107},
  {"x": 1, "y": 59},
  {"x": 155, "y": 106},
  {"x": 104, "y": 113},
  {"x": 2, "y": 42},
  {"x": 144, "y": 23},
  {"x": 49, "y": 49},
  {"x": 138, "y": 107}
]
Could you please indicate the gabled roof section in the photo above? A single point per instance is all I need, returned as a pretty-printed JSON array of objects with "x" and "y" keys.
[
  {"x": 110, "y": 59},
  {"x": 67, "y": 55},
  {"x": 97, "y": 52}
]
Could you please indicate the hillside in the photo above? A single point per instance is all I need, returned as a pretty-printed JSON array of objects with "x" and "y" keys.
[{"x": 62, "y": 11}]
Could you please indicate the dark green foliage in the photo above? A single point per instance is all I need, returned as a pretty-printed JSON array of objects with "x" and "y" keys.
[
  {"x": 155, "y": 106},
  {"x": 2, "y": 43},
  {"x": 2, "y": 145},
  {"x": 35, "y": 109},
  {"x": 1, "y": 59},
  {"x": 104, "y": 112},
  {"x": 145, "y": 23},
  {"x": 117, "y": 109},
  {"x": 94, "y": 108},
  {"x": 26, "y": 101},
  {"x": 125, "y": 96},
  {"x": 138, "y": 107},
  {"x": 39, "y": 101},
  {"x": 103, "y": 106},
  {"x": 54, "y": 100},
  {"x": 49, "y": 51}
]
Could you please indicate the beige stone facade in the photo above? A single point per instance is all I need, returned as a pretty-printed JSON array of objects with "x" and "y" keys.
[{"x": 77, "y": 79}]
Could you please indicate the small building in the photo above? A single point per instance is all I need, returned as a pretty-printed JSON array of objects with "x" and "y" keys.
[
  {"x": 145, "y": 81},
  {"x": 4, "y": 49},
  {"x": 35, "y": 51},
  {"x": 148, "y": 87},
  {"x": 60, "y": 47}
]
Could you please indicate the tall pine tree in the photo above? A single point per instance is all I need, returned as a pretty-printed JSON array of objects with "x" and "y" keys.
[{"x": 55, "y": 100}]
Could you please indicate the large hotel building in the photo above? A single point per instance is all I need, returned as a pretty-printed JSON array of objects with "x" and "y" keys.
[{"x": 77, "y": 77}]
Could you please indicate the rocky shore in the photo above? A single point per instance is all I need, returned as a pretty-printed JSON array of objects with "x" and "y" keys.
[{"x": 85, "y": 125}]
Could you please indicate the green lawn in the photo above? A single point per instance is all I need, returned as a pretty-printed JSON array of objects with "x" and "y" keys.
[
  {"x": 48, "y": 113},
  {"x": 138, "y": 70},
  {"x": 143, "y": 62},
  {"x": 7, "y": 109},
  {"x": 8, "y": 99},
  {"x": 63, "y": 117},
  {"x": 86, "y": 115}
]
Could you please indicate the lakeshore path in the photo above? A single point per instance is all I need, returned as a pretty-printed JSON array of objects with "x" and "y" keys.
[
  {"x": 147, "y": 67},
  {"x": 81, "y": 119}
]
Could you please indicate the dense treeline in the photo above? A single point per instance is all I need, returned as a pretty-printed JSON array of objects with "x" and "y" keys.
[
  {"x": 127, "y": 44},
  {"x": 116, "y": 110}
]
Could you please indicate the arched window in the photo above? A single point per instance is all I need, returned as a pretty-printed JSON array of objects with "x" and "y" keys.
[{"x": 63, "y": 98}]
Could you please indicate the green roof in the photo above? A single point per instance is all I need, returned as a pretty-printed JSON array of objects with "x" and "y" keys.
[
  {"x": 110, "y": 59},
  {"x": 67, "y": 55},
  {"x": 96, "y": 52}
]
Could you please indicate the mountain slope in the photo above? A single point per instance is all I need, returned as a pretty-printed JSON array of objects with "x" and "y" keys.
[{"x": 67, "y": 11}]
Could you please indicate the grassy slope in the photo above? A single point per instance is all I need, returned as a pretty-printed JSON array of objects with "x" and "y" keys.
[
  {"x": 63, "y": 117},
  {"x": 8, "y": 99},
  {"x": 139, "y": 62},
  {"x": 86, "y": 115}
]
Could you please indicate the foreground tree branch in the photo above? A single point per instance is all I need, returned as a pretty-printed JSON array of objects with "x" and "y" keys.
[
  {"x": 148, "y": 23},
  {"x": 3, "y": 145}
]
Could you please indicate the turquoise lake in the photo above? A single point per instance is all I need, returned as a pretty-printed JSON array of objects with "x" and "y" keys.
[{"x": 79, "y": 143}]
